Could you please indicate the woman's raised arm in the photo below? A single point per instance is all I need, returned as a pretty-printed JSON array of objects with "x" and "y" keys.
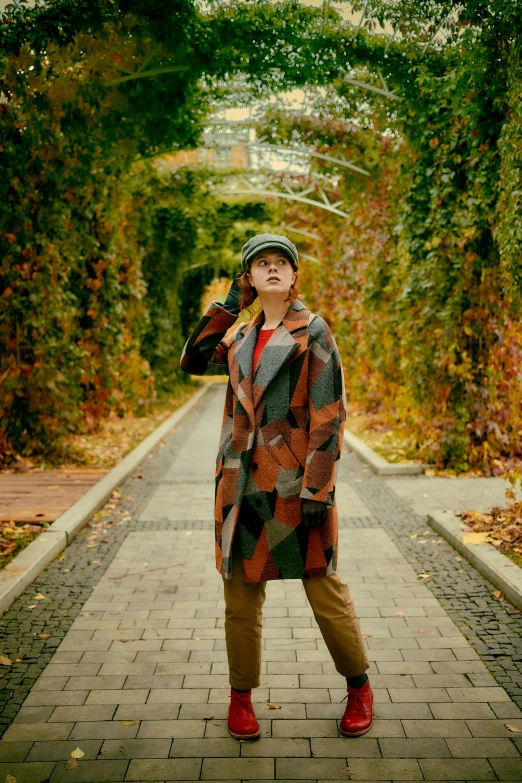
[{"x": 206, "y": 350}]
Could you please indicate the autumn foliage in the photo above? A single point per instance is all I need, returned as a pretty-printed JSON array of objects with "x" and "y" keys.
[
  {"x": 104, "y": 254},
  {"x": 420, "y": 283}
]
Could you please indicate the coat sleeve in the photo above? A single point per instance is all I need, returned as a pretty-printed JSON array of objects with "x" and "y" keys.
[
  {"x": 327, "y": 414},
  {"x": 206, "y": 350}
]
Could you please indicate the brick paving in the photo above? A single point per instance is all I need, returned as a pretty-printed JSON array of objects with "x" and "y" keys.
[
  {"x": 134, "y": 669},
  {"x": 430, "y": 494}
]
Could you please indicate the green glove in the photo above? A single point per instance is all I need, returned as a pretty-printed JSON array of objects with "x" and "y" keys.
[
  {"x": 313, "y": 512},
  {"x": 231, "y": 303}
]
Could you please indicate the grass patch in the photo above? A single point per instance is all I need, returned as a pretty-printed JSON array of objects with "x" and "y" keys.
[
  {"x": 517, "y": 559},
  {"x": 14, "y": 536},
  {"x": 393, "y": 446}
]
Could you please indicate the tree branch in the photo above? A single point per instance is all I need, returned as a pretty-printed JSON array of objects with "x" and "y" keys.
[{"x": 144, "y": 74}]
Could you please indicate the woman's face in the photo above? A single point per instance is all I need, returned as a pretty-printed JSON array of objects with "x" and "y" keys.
[{"x": 271, "y": 273}]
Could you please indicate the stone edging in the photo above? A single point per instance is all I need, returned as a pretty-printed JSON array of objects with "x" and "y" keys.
[
  {"x": 377, "y": 463},
  {"x": 26, "y": 566},
  {"x": 486, "y": 559}
]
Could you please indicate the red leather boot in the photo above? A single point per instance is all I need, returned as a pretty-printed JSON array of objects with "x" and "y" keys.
[
  {"x": 358, "y": 715},
  {"x": 242, "y": 723}
]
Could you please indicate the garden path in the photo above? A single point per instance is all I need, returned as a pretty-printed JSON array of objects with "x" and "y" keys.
[{"x": 138, "y": 681}]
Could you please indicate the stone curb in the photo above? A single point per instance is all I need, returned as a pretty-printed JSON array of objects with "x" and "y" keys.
[
  {"x": 377, "y": 463},
  {"x": 486, "y": 559},
  {"x": 26, "y": 566}
]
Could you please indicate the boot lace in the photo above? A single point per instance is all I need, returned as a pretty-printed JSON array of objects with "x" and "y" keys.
[
  {"x": 354, "y": 696},
  {"x": 243, "y": 700}
]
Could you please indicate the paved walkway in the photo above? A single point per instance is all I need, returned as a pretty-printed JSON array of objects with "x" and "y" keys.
[
  {"x": 139, "y": 682},
  {"x": 429, "y": 494}
]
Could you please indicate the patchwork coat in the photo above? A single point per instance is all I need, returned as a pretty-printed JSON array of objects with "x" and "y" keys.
[{"x": 281, "y": 440}]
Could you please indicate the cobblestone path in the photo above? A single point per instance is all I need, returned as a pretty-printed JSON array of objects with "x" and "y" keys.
[{"x": 138, "y": 680}]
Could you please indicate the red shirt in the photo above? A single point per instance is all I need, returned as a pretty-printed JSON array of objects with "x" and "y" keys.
[{"x": 262, "y": 339}]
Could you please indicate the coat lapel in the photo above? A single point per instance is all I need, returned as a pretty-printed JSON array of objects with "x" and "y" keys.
[
  {"x": 241, "y": 378},
  {"x": 279, "y": 349}
]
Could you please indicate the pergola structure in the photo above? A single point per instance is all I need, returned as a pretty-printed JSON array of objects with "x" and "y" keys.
[
  {"x": 298, "y": 151},
  {"x": 271, "y": 187},
  {"x": 270, "y": 190}
]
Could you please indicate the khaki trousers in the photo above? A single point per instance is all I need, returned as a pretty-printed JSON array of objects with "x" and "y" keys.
[{"x": 333, "y": 610}]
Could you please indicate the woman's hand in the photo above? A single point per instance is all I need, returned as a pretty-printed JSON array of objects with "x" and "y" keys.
[
  {"x": 313, "y": 512},
  {"x": 231, "y": 303}
]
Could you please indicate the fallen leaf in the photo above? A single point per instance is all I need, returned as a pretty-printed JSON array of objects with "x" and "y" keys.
[
  {"x": 71, "y": 763},
  {"x": 31, "y": 606},
  {"x": 40, "y": 597},
  {"x": 273, "y": 706},
  {"x": 513, "y": 728},
  {"x": 125, "y": 640},
  {"x": 399, "y": 613},
  {"x": 66, "y": 570},
  {"x": 424, "y": 575},
  {"x": 145, "y": 563},
  {"x": 346, "y": 773},
  {"x": 476, "y": 538},
  {"x": 458, "y": 558},
  {"x": 44, "y": 635},
  {"x": 5, "y": 661},
  {"x": 91, "y": 546},
  {"x": 414, "y": 535},
  {"x": 367, "y": 635},
  {"x": 10, "y": 779},
  {"x": 18, "y": 660},
  {"x": 497, "y": 593},
  {"x": 77, "y": 753},
  {"x": 129, "y": 722}
]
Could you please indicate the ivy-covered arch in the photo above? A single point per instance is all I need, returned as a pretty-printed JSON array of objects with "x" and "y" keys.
[{"x": 91, "y": 92}]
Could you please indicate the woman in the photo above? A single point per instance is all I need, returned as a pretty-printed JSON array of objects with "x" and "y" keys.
[{"x": 280, "y": 445}]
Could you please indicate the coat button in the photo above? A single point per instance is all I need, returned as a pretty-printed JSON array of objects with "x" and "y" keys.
[{"x": 254, "y": 466}]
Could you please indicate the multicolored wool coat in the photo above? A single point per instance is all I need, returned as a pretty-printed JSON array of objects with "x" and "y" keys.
[{"x": 280, "y": 441}]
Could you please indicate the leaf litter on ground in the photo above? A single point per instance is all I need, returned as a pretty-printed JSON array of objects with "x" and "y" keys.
[{"x": 501, "y": 526}]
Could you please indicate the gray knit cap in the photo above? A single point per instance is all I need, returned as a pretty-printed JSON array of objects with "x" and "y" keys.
[{"x": 265, "y": 241}]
